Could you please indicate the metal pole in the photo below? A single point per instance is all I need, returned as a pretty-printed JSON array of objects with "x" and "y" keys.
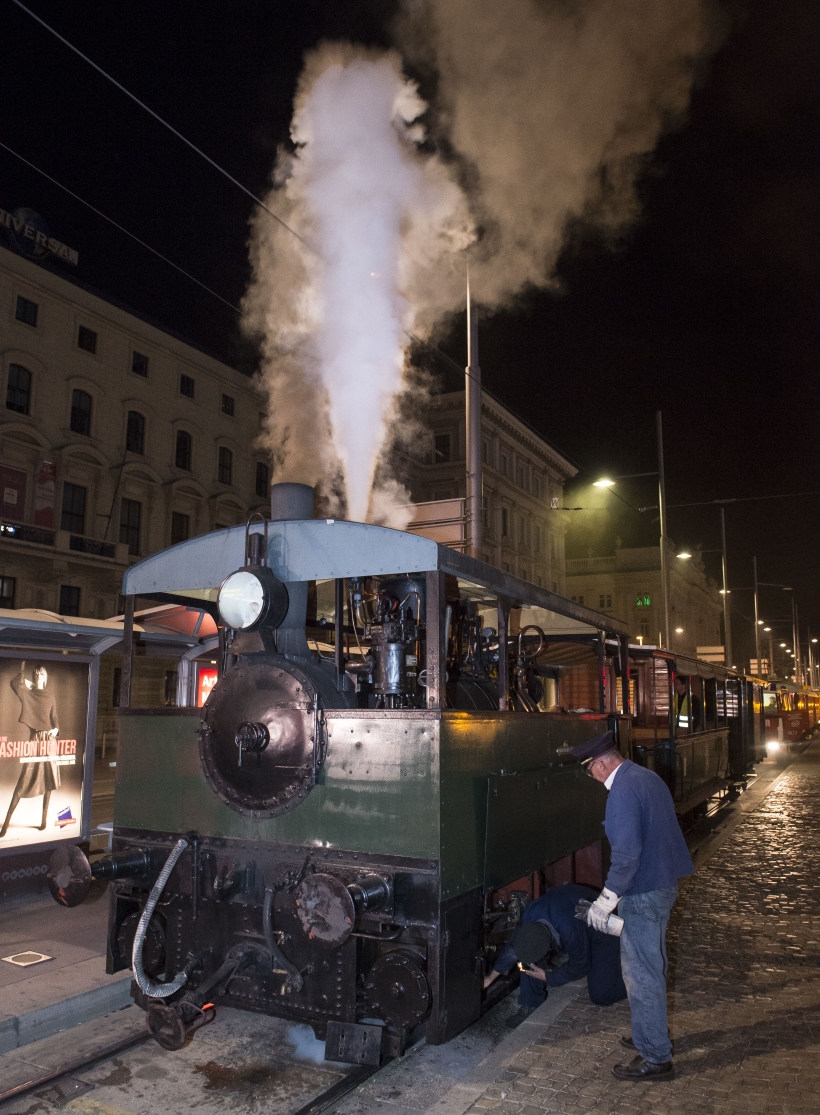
[
  {"x": 794, "y": 637},
  {"x": 662, "y": 510},
  {"x": 727, "y": 628},
  {"x": 798, "y": 657},
  {"x": 757, "y": 625},
  {"x": 472, "y": 393},
  {"x": 811, "y": 659},
  {"x": 771, "y": 656}
]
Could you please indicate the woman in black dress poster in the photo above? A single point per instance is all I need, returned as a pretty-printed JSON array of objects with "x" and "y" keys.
[{"x": 38, "y": 713}]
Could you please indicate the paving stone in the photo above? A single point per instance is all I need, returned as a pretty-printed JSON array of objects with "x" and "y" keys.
[{"x": 744, "y": 952}]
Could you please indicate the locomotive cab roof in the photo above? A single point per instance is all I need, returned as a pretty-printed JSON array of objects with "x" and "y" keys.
[{"x": 323, "y": 549}]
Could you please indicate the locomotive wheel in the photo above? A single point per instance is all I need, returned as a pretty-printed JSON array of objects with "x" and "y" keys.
[
  {"x": 325, "y": 909},
  {"x": 397, "y": 990},
  {"x": 153, "y": 949}
]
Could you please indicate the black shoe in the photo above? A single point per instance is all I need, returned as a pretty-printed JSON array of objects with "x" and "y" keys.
[
  {"x": 640, "y": 1069},
  {"x": 520, "y": 1015}
]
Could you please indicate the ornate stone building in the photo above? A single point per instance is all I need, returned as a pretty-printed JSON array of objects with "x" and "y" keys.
[{"x": 116, "y": 440}]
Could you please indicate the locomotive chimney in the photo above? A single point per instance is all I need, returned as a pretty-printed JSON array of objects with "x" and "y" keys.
[{"x": 293, "y": 501}]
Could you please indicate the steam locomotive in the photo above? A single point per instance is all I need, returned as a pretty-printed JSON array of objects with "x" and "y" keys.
[
  {"x": 377, "y": 784},
  {"x": 341, "y": 836}
]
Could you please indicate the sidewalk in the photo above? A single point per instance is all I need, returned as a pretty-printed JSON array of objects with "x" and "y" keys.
[
  {"x": 744, "y": 1003},
  {"x": 72, "y": 987}
]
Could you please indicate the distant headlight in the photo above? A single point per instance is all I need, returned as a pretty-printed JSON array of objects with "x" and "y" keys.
[
  {"x": 250, "y": 597},
  {"x": 772, "y": 745}
]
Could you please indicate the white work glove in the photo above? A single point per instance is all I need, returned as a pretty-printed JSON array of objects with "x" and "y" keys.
[{"x": 601, "y": 908}]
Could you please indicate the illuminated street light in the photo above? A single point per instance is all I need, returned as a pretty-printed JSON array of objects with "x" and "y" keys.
[
  {"x": 767, "y": 628},
  {"x": 604, "y": 482},
  {"x": 684, "y": 556},
  {"x": 760, "y": 622},
  {"x": 678, "y": 630},
  {"x": 783, "y": 645},
  {"x": 725, "y": 592}
]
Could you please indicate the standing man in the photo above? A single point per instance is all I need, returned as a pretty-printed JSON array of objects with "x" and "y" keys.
[{"x": 649, "y": 855}]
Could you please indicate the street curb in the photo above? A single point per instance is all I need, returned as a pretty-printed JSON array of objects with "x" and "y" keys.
[{"x": 43, "y": 1022}]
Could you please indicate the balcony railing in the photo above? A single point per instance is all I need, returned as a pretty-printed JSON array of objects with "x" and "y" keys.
[{"x": 62, "y": 540}]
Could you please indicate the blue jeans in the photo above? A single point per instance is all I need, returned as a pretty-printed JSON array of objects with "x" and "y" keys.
[{"x": 644, "y": 966}]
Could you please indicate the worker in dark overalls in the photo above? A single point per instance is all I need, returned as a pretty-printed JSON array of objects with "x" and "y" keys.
[{"x": 553, "y": 947}]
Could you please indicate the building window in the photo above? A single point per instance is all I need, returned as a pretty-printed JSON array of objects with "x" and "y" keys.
[
  {"x": 644, "y": 628},
  {"x": 523, "y": 574},
  {"x": 522, "y": 477},
  {"x": 505, "y": 522},
  {"x": 135, "y": 432},
  {"x": 262, "y": 480},
  {"x": 183, "y": 450},
  {"x": 81, "y": 413},
  {"x": 26, "y": 311},
  {"x": 69, "y": 600},
  {"x": 180, "y": 527},
  {"x": 442, "y": 448},
  {"x": 605, "y": 600},
  {"x": 505, "y": 464},
  {"x": 225, "y": 467},
  {"x": 8, "y": 587},
  {"x": 227, "y": 405},
  {"x": 485, "y": 510},
  {"x": 578, "y": 599},
  {"x": 505, "y": 565},
  {"x": 485, "y": 452},
  {"x": 73, "y": 512},
  {"x": 536, "y": 539},
  {"x": 186, "y": 386},
  {"x": 139, "y": 364},
  {"x": 536, "y": 486},
  {"x": 86, "y": 339},
  {"x": 18, "y": 391},
  {"x": 522, "y": 531},
  {"x": 130, "y": 516}
]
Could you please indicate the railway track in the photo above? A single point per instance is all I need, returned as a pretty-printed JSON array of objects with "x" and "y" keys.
[{"x": 320, "y": 1103}]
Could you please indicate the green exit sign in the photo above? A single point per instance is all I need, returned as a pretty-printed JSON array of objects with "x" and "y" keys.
[{"x": 643, "y": 601}]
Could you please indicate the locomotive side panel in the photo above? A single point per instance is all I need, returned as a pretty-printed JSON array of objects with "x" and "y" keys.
[
  {"x": 566, "y": 810},
  {"x": 377, "y": 790}
]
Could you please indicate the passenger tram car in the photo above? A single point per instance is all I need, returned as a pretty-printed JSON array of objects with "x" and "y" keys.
[
  {"x": 791, "y": 715},
  {"x": 379, "y": 781}
]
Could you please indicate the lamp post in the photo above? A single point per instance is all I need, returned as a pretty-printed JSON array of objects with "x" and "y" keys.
[
  {"x": 684, "y": 555},
  {"x": 606, "y": 482},
  {"x": 757, "y": 618}
]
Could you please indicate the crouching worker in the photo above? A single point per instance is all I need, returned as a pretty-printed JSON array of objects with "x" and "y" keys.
[{"x": 553, "y": 947}]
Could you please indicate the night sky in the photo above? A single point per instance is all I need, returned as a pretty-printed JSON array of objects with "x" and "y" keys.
[{"x": 707, "y": 309}]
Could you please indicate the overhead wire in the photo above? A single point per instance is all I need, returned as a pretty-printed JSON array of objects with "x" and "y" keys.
[
  {"x": 162, "y": 121},
  {"x": 121, "y": 228}
]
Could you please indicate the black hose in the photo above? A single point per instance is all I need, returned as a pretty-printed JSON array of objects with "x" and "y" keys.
[{"x": 294, "y": 981}]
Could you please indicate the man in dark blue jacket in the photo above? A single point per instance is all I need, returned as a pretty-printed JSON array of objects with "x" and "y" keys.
[
  {"x": 649, "y": 855},
  {"x": 554, "y": 947}
]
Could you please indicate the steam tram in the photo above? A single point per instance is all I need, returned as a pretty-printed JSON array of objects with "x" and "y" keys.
[
  {"x": 791, "y": 716},
  {"x": 377, "y": 784}
]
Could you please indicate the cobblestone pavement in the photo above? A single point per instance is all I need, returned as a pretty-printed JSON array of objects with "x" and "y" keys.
[{"x": 744, "y": 1002}]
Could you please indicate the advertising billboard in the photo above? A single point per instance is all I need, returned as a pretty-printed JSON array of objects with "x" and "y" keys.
[{"x": 43, "y": 709}]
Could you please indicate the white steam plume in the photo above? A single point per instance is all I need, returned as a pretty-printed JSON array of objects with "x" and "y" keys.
[
  {"x": 334, "y": 321},
  {"x": 548, "y": 111},
  {"x": 552, "y": 107}
]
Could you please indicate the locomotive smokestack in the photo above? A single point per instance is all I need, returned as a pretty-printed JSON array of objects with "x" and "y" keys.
[{"x": 293, "y": 501}]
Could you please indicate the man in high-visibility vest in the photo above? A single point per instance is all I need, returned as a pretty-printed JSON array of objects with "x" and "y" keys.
[{"x": 687, "y": 706}]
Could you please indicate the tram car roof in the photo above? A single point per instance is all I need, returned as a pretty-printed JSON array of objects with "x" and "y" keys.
[{"x": 323, "y": 549}]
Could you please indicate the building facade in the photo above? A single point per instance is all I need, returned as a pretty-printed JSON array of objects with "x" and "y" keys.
[
  {"x": 523, "y": 480},
  {"x": 116, "y": 440},
  {"x": 627, "y": 584}
]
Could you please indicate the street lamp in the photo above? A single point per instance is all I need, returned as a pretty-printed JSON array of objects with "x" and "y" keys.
[
  {"x": 684, "y": 555},
  {"x": 609, "y": 482}
]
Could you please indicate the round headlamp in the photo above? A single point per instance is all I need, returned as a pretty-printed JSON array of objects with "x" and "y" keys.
[{"x": 251, "y": 597}]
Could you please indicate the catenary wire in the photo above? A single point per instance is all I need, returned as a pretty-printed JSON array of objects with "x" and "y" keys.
[
  {"x": 212, "y": 162},
  {"x": 142, "y": 243},
  {"x": 164, "y": 123}
]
